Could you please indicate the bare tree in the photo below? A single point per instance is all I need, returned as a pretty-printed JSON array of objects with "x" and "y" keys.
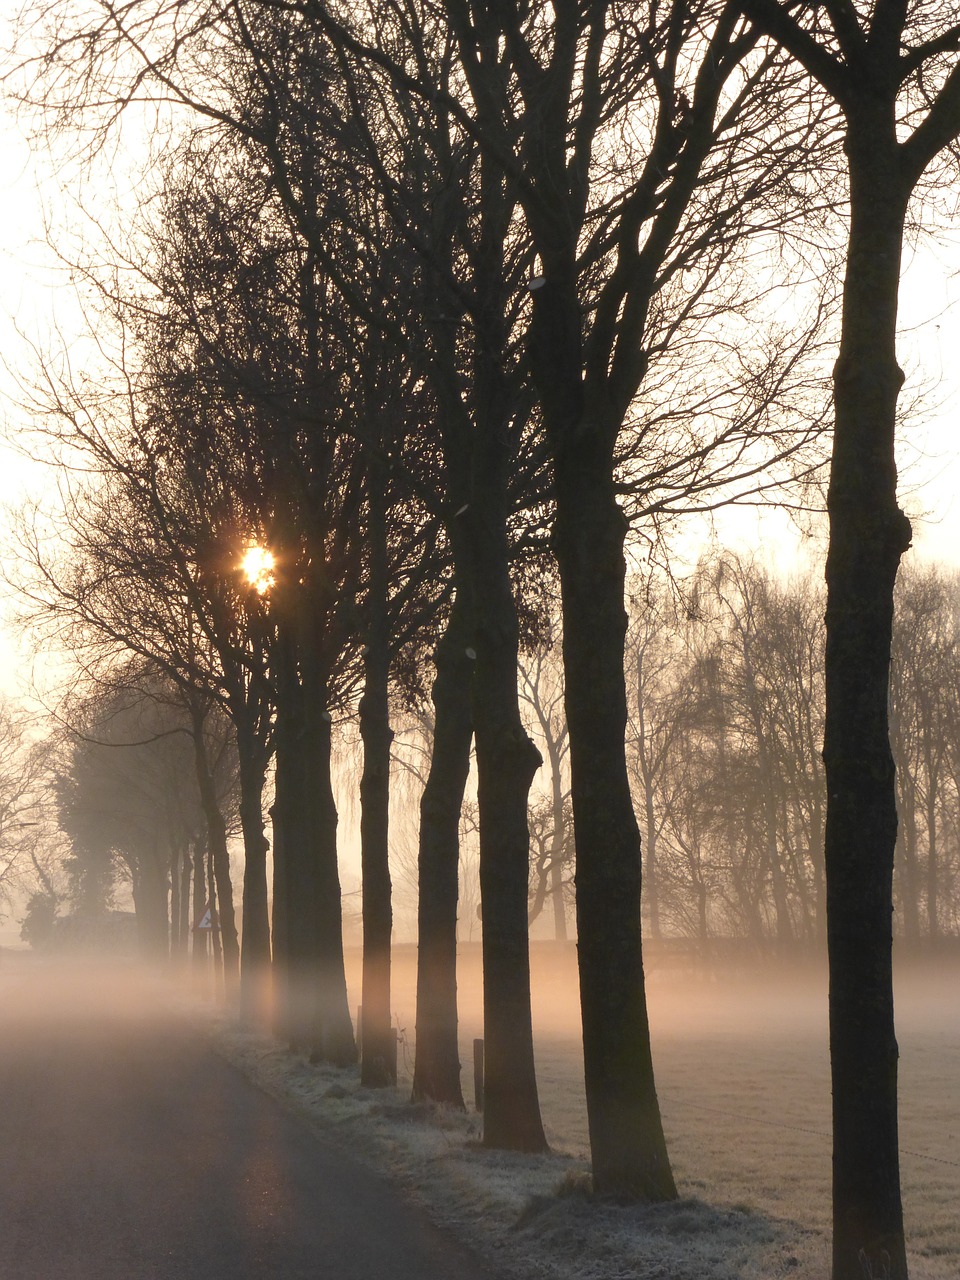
[
  {"x": 611, "y": 240},
  {"x": 129, "y": 791},
  {"x": 27, "y": 845},
  {"x": 552, "y": 851},
  {"x": 923, "y": 676},
  {"x": 654, "y": 662},
  {"x": 892, "y": 69}
]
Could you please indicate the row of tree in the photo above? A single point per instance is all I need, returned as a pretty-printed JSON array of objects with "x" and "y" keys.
[
  {"x": 332, "y": 350},
  {"x": 725, "y": 696},
  {"x": 26, "y": 863},
  {"x": 429, "y": 282}
]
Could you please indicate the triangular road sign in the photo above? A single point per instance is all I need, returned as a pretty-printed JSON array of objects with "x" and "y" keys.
[{"x": 209, "y": 918}]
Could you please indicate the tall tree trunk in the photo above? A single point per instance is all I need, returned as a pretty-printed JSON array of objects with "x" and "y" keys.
[
  {"x": 186, "y": 871},
  {"x": 868, "y": 535},
  {"x": 332, "y": 1038},
  {"x": 227, "y": 928},
  {"x": 378, "y": 1061},
  {"x": 315, "y": 1014},
  {"x": 217, "y": 845},
  {"x": 626, "y": 1133},
  {"x": 255, "y": 948},
  {"x": 507, "y": 759},
  {"x": 281, "y": 957},
  {"x": 507, "y": 762},
  {"x": 627, "y": 1145},
  {"x": 436, "y": 1073},
  {"x": 151, "y": 887},
  {"x": 215, "y": 940},
  {"x": 293, "y": 883},
  {"x": 200, "y": 956},
  {"x": 437, "y": 1065}
]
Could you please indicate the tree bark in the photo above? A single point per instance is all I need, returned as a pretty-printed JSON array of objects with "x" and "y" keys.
[
  {"x": 200, "y": 957},
  {"x": 332, "y": 1039},
  {"x": 436, "y": 1073},
  {"x": 183, "y": 929},
  {"x": 217, "y": 845},
  {"x": 281, "y": 955},
  {"x": 215, "y": 941},
  {"x": 151, "y": 903},
  {"x": 868, "y": 535},
  {"x": 315, "y": 1014},
  {"x": 378, "y": 1058},
  {"x": 507, "y": 762},
  {"x": 626, "y": 1133},
  {"x": 255, "y": 948},
  {"x": 293, "y": 875}
]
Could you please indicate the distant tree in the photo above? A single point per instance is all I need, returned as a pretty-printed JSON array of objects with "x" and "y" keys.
[
  {"x": 128, "y": 791},
  {"x": 551, "y": 816},
  {"x": 924, "y": 673},
  {"x": 28, "y": 845},
  {"x": 116, "y": 584},
  {"x": 654, "y": 670},
  {"x": 732, "y": 714},
  {"x": 39, "y": 921},
  {"x": 768, "y": 682}
]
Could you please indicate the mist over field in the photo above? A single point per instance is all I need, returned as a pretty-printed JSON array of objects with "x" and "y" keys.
[
  {"x": 743, "y": 1079},
  {"x": 742, "y": 1066}
]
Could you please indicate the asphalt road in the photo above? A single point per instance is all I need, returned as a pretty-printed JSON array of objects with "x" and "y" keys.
[{"x": 130, "y": 1151}]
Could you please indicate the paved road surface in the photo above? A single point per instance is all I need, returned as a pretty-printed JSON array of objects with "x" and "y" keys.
[{"x": 129, "y": 1151}]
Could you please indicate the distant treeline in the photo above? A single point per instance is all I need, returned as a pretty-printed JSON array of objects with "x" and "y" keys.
[{"x": 724, "y": 739}]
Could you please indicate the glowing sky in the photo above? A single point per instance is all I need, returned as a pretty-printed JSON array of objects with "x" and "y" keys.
[{"x": 929, "y": 452}]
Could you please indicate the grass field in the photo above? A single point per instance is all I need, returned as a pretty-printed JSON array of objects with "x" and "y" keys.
[{"x": 743, "y": 1078}]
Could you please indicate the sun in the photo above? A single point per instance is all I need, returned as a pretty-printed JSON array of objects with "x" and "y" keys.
[{"x": 257, "y": 567}]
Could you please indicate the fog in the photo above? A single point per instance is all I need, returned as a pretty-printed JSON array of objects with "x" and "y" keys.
[
  {"x": 80, "y": 995},
  {"x": 742, "y": 1067},
  {"x": 740, "y": 1054}
]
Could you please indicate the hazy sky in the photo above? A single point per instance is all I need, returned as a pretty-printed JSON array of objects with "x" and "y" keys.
[{"x": 930, "y": 449}]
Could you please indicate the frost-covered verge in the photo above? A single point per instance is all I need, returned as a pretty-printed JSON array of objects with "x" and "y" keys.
[
  {"x": 744, "y": 1086},
  {"x": 530, "y": 1216}
]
